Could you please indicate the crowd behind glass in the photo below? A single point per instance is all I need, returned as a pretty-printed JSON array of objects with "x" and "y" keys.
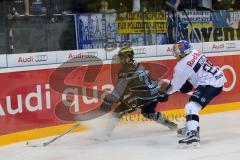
[
  {"x": 36, "y": 7},
  {"x": 10, "y": 9}
]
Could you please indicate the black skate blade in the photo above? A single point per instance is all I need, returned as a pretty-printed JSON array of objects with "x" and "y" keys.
[{"x": 194, "y": 145}]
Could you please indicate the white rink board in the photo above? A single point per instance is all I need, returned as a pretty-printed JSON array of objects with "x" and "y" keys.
[
  {"x": 166, "y": 50},
  {"x": 3, "y": 60},
  {"x": 221, "y": 46},
  {"x": 140, "y": 52},
  {"x": 60, "y": 57},
  {"x": 31, "y": 59},
  {"x": 80, "y": 55},
  {"x": 145, "y": 141}
]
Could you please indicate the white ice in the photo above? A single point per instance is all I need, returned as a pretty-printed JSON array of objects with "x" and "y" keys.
[{"x": 220, "y": 140}]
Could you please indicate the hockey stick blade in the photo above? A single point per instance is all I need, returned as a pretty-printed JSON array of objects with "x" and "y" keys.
[{"x": 35, "y": 144}]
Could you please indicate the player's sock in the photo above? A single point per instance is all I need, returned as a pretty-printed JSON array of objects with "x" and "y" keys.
[{"x": 192, "y": 115}]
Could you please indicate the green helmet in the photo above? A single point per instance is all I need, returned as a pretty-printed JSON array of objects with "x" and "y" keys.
[{"x": 126, "y": 52}]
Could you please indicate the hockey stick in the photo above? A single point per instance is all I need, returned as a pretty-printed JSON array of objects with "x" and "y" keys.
[
  {"x": 134, "y": 107},
  {"x": 43, "y": 144}
]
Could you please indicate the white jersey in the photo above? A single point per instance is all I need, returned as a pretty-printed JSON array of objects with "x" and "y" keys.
[{"x": 198, "y": 70}]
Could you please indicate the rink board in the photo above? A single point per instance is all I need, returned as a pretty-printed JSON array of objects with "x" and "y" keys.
[{"x": 28, "y": 99}]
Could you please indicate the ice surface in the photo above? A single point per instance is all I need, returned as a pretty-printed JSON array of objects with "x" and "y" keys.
[{"x": 220, "y": 140}]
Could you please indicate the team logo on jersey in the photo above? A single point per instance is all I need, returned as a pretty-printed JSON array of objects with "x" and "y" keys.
[
  {"x": 195, "y": 56},
  {"x": 203, "y": 99},
  {"x": 196, "y": 94}
]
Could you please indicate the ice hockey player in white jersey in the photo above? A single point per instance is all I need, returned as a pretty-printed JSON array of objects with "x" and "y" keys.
[{"x": 194, "y": 70}]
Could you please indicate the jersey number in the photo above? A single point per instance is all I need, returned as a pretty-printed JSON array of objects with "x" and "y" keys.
[
  {"x": 145, "y": 77},
  {"x": 208, "y": 67}
]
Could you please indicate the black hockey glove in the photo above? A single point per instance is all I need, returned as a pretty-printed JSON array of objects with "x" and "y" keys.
[
  {"x": 162, "y": 97},
  {"x": 106, "y": 105}
]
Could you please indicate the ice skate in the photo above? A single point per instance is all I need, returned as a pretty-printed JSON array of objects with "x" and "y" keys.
[{"x": 191, "y": 141}]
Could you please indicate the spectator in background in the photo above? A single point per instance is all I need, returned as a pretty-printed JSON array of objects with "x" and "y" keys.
[
  {"x": 125, "y": 5},
  {"x": 136, "y": 5},
  {"x": 15, "y": 7},
  {"x": 191, "y": 4},
  {"x": 222, "y": 4},
  {"x": 74, "y": 6},
  {"x": 158, "y": 5},
  {"x": 26, "y": 6},
  {"x": 128, "y": 5},
  {"x": 104, "y": 7},
  {"x": 172, "y": 5},
  {"x": 122, "y": 11},
  {"x": 38, "y": 6},
  {"x": 20, "y": 7},
  {"x": 2, "y": 17},
  {"x": 53, "y": 6},
  {"x": 235, "y": 5},
  {"x": 205, "y": 5}
]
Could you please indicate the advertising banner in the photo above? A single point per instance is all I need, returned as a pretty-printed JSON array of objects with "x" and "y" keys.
[
  {"x": 30, "y": 59},
  {"x": 80, "y": 55},
  {"x": 220, "y": 19},
  {"x": 29, "y": 98},
  {"x": 140, "y": 52},
  {"x": 215, "y": 47},
  {"x": 205, "y": 26},
  {"x": 153, "y": 22},
  {"x": 195, "y": 17},
  {"x": 94, "y": 30},
  {"x": 167, "y": 50},
  {"x": 211, "y": 34}
]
